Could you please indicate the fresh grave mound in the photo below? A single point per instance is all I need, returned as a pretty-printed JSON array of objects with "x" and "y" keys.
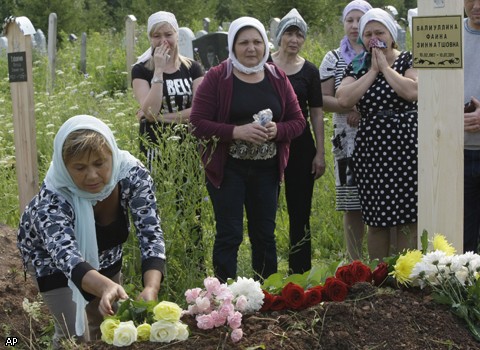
[{"x": 372, "y": 318}]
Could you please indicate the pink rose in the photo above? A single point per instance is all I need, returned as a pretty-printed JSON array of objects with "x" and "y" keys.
[
  {"x": 241, "y": 303},
  {"x": 212, "y": 284},
  {"x": 226, "y": 309},
  {"x": 205, "y": 321},
  {"x": 192, "y": 294},
  {"x": 218, "y": 320},
  {"x": 236, "y": 335},
  {"x": 203, "y": 304},
  {"x": 235, "y": 320}
]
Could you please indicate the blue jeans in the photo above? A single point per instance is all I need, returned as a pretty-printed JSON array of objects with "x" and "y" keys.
[
  {"x": 471, "y": 201},
  {"x": 253, "y": 184}
]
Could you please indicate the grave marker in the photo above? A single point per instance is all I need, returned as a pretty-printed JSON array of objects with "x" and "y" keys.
[
  {"x": 440, "y": 138},
  {"x": 211, "y": 49},
  {"x": 19, "y": 31}
]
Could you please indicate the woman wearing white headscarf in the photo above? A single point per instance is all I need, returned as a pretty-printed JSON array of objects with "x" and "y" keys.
[
  {"x": 71, "y": 233},
  {"x": 345, "y": 123},
  {"x": 382, "y": 84},
  {"x": 164, "y": 82},
  {"x": 246, "y": 152},
  {"x": 307, "y": 157}
]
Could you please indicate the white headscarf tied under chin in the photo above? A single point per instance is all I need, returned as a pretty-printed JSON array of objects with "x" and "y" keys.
[
  {"x": 238, "y": 24},
  {"x": 379, "y": 15},
  {"x": 59, "y": 180},
  {"x": 157, "y": 17}
]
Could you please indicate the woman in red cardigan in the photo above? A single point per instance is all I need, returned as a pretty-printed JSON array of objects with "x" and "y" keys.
[{"x": 247, "y": 113}]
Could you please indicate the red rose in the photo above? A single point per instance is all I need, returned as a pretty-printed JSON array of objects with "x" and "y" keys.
[
  {"x": 361, "y": 272},
  {"x": 294, "y": 296},
  {"x": 345, "y": 274},
  {"x": 267, "y": 301},
  {"x": 335, "y": 289},
  {"x": 380, "y": 273},
  {"x": 313, "y": 296},
  {"x": 278, "y": 303}
]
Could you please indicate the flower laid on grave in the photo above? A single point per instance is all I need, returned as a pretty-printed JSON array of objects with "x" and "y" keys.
[
  {"x": 138, "y": 320},
  {"x": 222, "y": 304},
  {"x": 453, "y": 279},
  {"x": 297, "y": 292}
]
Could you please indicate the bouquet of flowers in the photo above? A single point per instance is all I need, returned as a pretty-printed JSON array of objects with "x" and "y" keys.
[
  {"x": 298, "y": 292},
  {"x": 221, "y": 304},
  {"x": 138, "y": 320},
  {"x": 453, "y": 279}
]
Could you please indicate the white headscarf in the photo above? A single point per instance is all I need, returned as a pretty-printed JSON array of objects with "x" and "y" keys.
[
  {"x": 293, "y": 18},
  {"x": 235, "y": 26},
  {"x": 379, "y": 15},
  {"x": 59, "y": 180},
  {"x": 157, "y": 17}
]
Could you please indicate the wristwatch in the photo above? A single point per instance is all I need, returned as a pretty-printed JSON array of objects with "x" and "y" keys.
[{"x": 156, "y": 80}]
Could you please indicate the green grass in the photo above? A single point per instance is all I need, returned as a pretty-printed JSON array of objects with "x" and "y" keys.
[{"x": 103, "y": 93}]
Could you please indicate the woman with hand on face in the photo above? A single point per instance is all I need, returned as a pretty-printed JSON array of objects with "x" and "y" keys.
[
  {"x": 247, "y": 111},
  {"x": 383, "y": 86},
  {"x": 345, "y": 124},
  {"x": 306, "y": 162},
  {"x": 164, "y": 82},
  {"x": 71, "y": 234}
]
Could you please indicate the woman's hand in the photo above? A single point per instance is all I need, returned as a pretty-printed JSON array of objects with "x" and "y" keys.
[
  {"x": 381, "y": 60},
  {"x": 353, "y": 118},
  {"x": 109, "y": 296},
  {"x": 252, "y": 132},
  {"x": 161, "y": 56},
  {"x": 318, "y": 165},
  {"x": 271, "y": 130},
  {"x": 148, "y": 294},
  {"x": 472, "y": 120}
]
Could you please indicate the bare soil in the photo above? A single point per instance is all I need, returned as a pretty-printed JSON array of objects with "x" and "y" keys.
[{"x": 372, "y": 318}]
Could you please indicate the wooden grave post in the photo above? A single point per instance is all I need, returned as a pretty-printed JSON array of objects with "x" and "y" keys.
[
  {"x": 130, "y": 26},
  {"x": 19, "y": 31},
  {"x": 52, "y": 50},
  {"x": 83, "y": 54},
  {"x": 437, "y": 44}
]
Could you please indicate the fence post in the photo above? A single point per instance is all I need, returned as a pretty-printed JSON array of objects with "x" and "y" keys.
[
  {"x": 440, "y": 123},
  {"x": 19, "y": 31},
  {"x": 130, "y": 27},
  {"x": 52, "y": 50}
]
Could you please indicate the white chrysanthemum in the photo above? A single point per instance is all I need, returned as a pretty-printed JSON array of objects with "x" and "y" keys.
[
  {"x": 423, "y": 273},
  {"x": 462, "y": 275},
  {"x": 252, "y": 291},
  {"x": 434, "y": 258}
]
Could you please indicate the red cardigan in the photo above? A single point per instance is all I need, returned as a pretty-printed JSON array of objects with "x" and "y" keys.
[{"x": 210, "y": 117}]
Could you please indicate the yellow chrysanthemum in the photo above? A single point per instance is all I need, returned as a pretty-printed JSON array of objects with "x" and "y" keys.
[
  {"x": 441, "y": 243},
  {"x": 404, "y": 266}
]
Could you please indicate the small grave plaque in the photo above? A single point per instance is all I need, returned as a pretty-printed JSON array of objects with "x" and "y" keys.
[{"x": 17, "y": 67}]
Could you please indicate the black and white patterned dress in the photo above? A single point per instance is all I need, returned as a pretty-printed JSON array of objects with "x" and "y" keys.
[{"x": 385, "y": 156}]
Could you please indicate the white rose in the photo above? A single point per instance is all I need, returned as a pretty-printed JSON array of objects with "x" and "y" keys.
[
  {"x": 163, "y": 331},
  {"x": 182, "y": 331},
  {"x": 125, "y": 334}
]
